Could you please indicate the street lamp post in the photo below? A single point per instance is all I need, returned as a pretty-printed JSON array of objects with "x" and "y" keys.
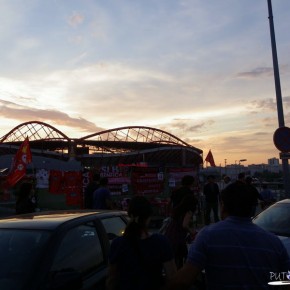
[
  {"x": 225, "y": 166},
  {"x": 285, "y": 163}
]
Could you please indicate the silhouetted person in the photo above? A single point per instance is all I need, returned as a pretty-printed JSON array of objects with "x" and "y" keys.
[
  {"x": 255, "y": 194},
  {"x": 235, "y": 253},
  {"x": 140, "y": 260},
  {"x": 180, "y": 226},
  {"x": 242, "y": 177},
  {"x": 26, "y": 202},
  {"x": 227, "y": 180},
  {"x": 89, "y": 191},
  {"x": 185, "y": 189},
  {"x": 211, "y": 192},
  {"x": 102, "y": 196}
]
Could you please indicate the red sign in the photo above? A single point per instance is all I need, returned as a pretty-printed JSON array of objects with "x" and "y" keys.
[{"x": 147, "y": 181}]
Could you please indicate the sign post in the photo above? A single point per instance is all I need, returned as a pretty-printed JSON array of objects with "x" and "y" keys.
[{"x": 285, "y": 163}]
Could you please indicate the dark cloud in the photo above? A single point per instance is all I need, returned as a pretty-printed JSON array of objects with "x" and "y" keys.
[
  {"x": 256, "y": 73},
  {"x": 186, "y": 125},
  {"x": 23, "y": 114},
  {"x": 262, "y": 133},
  {"x": 196, "y": 127},
  {"x": 262, "y": 72},
  {"x": 193, "y": 141},
  {"x": 269, "y": 121},
  {"x": 268, "y": 104}
]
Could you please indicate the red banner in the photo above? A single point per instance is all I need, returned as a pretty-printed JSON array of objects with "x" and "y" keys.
[
  {"x": 209, "y": 159},
  {"x": 21, "y": 159},
  {"x": 56, "y": 181},
  {"x": 147, "y": 181}
]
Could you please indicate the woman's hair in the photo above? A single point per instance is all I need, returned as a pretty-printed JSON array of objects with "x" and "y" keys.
[
  {"x": 188, "y": 203},
  {"x": 139, "y": 211}
]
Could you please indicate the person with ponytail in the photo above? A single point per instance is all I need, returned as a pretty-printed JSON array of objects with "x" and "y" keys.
[{"x": 139, "y": 260}]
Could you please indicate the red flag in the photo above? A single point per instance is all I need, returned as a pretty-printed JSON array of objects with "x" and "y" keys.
[
  {"x": 21, "y": 159},
  {"x": 209, "y": 159}
]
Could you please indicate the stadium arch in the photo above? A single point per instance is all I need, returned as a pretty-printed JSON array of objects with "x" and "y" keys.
[
  {"x": 122, "y": 145},
  {"x": 137, "y": 159}
]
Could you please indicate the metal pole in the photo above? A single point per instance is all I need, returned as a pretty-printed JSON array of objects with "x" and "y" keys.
[{"x": 285, "y": 164}]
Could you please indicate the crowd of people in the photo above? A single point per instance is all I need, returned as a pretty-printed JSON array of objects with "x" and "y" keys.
[
  {"x": 231, "y": 251},
  {"x": 227, "y": 252},
  {"x": 234, "y": 253}
]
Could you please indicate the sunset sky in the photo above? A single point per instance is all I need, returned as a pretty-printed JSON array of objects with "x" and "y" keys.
[{"x": 199, "y": 69}]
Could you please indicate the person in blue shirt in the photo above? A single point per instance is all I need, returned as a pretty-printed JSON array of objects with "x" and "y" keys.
[
  {"x": 102, "y": 196},
  {"x": 89, "y": 191},
  {"x": 235, "y": 253}
]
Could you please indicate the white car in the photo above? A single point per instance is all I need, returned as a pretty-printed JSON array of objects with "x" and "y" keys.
[{"x": 276, "y": 219}]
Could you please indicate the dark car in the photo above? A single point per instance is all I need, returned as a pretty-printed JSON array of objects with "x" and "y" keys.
[
  {"x": 57, "y": 250},
  {"x": 276, "y": 219}
]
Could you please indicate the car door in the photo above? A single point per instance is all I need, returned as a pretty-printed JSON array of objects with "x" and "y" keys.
[{"x": 80, "y": 261}]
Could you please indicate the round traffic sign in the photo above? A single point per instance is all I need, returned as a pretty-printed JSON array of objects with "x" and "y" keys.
[{"x": 281, "y": 139}]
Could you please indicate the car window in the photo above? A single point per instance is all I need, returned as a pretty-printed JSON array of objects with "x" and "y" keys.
[
  {"x": 19, "y": 253},
  {"x": 114, "y": 226},
  {"x": 275, "y": 219},
  {"x": 80, "y": 251}
]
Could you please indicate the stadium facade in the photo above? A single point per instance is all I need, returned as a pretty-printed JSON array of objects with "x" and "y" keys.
[{"x": 115, "y": 153}]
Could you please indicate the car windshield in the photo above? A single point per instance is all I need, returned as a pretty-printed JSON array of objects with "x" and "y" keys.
[
  {"x": 275, "y": 219},
  {"x": 19, "y": 251}
]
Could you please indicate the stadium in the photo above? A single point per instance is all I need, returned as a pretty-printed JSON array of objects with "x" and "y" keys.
[{"x": 137, "y": 159}]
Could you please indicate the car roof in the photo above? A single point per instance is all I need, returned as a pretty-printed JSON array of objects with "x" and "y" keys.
[
  {"x": 49, "y": 220},
  {"x": 287, "y": 200}
]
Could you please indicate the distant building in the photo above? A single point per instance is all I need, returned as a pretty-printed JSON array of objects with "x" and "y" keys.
[
  {"x": 257, "y": 168},
  {"x": 273, "y": 161},
  {"x": 273, "y": 165},
  {"x": 232, "y": 170}
]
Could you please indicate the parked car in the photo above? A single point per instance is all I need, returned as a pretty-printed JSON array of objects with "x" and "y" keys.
[
  {"x": 58, "y": 249},
  {"x": 276, "y": 219}
]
